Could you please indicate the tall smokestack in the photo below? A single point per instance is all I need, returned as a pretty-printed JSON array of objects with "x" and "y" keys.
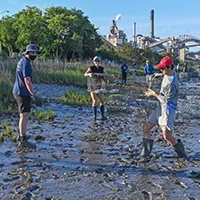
[
  {"x": 152, "y": 24},
  {"x": 134, "y": 31}
]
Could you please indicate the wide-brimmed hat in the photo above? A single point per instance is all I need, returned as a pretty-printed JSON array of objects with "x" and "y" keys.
[
  {"x": 166, "y": 61},
  {"x": 31, "y": 47}
]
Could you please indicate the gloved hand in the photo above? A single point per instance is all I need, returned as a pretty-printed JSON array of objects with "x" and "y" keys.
[
  {"x": 157, "y": 75},
  {"x": 90, "y": 74},
  {"x": 112, "y": 76},
  {"x": 149, "y": 93}
]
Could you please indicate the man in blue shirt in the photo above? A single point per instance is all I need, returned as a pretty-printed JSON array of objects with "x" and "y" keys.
[
  {"x": 23, "y": 90},
  {"x": 149, "y": 71}
]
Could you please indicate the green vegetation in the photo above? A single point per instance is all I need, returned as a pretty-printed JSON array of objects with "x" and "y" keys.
[
  {"x": 74, "y": 98},
  {"x": 130, "y": 54},
  {"x": 29, "y": 180},
  {"x": 4, "y": 123},
  {"x": 59, "y": 32},
  {"x": 7, "y": 131},
  {"x": 42, "y": 114},
  {"x": 1, "y": 137},
  {"x": 14, "y": 137}
]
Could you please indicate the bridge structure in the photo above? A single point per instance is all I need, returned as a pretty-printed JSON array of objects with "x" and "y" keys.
[{"x": 178, "y": 45}]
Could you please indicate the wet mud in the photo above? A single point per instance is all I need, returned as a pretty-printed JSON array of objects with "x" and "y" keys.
[{"x": 78, "y": 158}]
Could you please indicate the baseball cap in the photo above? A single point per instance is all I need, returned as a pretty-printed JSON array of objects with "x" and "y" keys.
[
  {"x": 147, "y": 61},
  {"x": 96, "y": 57},
  {"x": 31, "y": 47},
  {"x": 165, "y": 62}
]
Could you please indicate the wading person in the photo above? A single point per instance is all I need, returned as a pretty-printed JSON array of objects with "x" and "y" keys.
[
  {"x": 164, "y": 115},
  {"x": 91, "y": 73},
  {"x": 185, "y": 67},
  {"x": 23, "y": 90},
  {"x": 149, "y": 71},
  {"x": 134, "y": 68},
  {"x": 124, "y": 69},
  {"x": 178, "y": 68}
]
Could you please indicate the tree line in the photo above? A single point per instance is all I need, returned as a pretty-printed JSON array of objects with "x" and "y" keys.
[
  {"x": 64, "y": 34},
  {"x": 58, "y": 32}
]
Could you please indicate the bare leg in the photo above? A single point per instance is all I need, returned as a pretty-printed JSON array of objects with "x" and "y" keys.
[
  {"x": 169, "y": 138},
  {"x": 149, "y": 84},
  {"x": 94, "y": 99},
  {"x": 147, "y": 126},
  {"x": 101, "y": 98},
  {"x": 23, "y": 122}
]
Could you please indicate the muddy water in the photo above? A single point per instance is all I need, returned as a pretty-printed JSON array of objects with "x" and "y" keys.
[{"x": 82, "y": 159}]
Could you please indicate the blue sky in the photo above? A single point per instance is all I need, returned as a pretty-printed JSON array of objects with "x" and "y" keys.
[{"x": 171, "y": 17}]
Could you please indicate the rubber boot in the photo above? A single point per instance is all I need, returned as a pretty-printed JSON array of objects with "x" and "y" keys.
[
  {"x": 24, "y": 143},
  {"x": 94, "y": 112},
  {"x": 147, "y": 147},
  {"x": 179, "y": 149},
  {"x": 102, "y": 117}
]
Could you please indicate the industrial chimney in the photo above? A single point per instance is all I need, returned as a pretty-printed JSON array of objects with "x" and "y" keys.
[
  {"x": 152, "y": 24},
  {"x": 134, "y": 31}
]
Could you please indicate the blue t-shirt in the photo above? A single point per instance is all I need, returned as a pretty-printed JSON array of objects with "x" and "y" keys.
[
  {"x": 124, "y": 68},
  {"x": 134, "y": 67},
  {"x": 24, "y": 69},
  {"x": 149, "y": 69}
]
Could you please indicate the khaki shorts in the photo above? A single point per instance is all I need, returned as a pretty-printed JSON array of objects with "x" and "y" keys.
[
  {"x": 164, "y": 118},
  {"x": 149, "y": 78}
]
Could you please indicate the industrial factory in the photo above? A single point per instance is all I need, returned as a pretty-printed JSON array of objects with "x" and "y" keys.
[{"x": 170, "y": 44}]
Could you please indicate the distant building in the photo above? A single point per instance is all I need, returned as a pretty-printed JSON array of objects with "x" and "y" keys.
[{"x": 116, "y": 36}]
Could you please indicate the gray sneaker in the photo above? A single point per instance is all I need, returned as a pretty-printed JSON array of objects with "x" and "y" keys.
[
  {"x": 24, "y": 143},
  {"x": 27, "y": 137}
]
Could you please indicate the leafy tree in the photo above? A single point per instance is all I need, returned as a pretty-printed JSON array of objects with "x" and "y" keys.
[
  {"x": 59, "y": 21},
  {"x": 172, "y": 55},
  {"x": 32, "y": 28},
  {"x": 8, "y": 35},
  {"x": 73, "y": 34},
  {"x": 130, "y": 54}
]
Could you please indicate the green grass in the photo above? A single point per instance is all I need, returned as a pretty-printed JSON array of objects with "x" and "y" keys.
[
  {"x": 1, "y": 137},
  {"x": 8, "y": 130},
  {"x": 74, "y": 98},
  {"x": 42, "y": 114},
  {"x": 4, "y": 123},
  {"x": 50, "y": 72}
]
